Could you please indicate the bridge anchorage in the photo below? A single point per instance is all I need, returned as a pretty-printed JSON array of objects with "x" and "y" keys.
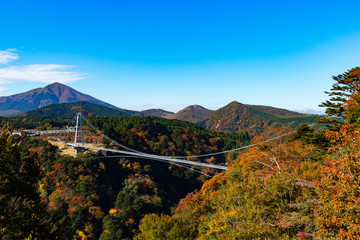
[{"x": 131, "y": 152}]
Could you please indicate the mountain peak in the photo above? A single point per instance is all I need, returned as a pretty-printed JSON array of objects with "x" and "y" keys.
[
  {"x": 235, "y": 103},
  {"x": 193, "y": 113},
  {"x": 194, "y": 107},
  {"x": 56, "y": 84},
  {"x": 51, "y": 94}
]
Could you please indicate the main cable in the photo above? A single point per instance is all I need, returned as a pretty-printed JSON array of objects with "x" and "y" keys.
[
  {"x": 237, "y": 149},
  {"x": 108, "y": 138}
]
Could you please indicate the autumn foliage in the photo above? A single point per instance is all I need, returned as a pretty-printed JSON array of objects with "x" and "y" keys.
[
  {"x": 338, "y": 216},
  {"x": 267, "y": 194}
]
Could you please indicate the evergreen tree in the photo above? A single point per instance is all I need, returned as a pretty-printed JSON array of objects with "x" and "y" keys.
[
  {"x": 347, "y": 86},
  {"x": 22, "y": 214}
]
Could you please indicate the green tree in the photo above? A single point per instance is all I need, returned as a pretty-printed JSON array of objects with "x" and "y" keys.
[
  {"x": 22, "y": 214},
  {"x": 140, "y": 195}
]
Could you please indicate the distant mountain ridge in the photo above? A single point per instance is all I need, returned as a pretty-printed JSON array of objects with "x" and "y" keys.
[
  {"x": 280, "y": 112},
  {"x": 233, "y": 117},
  {"x": 155, "y": 113},
  {"x": 51, "y": 94},
  {"x": 58, "y": 100},
  {"x": 68, "y": 110},
  {"x": 236, "y": 117},
  {"x": 193, "y": 113}
]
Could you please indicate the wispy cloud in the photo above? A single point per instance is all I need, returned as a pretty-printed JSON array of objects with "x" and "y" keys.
[
  {"x": 8, "y": 55},
  {"x": 2, "y": 89},
  {"x": 43, "y": 73}
]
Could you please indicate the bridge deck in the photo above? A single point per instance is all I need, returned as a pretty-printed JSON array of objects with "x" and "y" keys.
[{"x": 151, "y": 156}]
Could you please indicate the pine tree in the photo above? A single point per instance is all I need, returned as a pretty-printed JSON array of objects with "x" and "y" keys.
[{"x": 347, "y": 86}]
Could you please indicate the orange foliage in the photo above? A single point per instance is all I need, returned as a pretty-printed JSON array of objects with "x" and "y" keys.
[
  {"x": 78, "y": 200},
  {"x": 338, "y": 188},
  {"x": 273, "y": 156},
  {"x": 198, "y": 201},
  {"x": 113, "y": 211}
]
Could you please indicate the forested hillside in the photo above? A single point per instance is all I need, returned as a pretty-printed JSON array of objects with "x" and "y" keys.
[{"x": 255, "y": 120}]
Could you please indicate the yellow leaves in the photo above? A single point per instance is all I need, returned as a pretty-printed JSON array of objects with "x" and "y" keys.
[
  {"x": 81, "y": 234},
  {"x": 41, "y": 187},
  {"x": 221, "y": 223},
  {"x": 113, "y": 211},
  {"x": 310, "y": 170}
]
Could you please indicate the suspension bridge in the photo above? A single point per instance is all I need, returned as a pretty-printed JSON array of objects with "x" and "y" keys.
[{"x": 129, "y": 152}]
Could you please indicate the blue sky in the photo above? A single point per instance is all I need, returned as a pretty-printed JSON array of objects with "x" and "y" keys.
[{"x": 170, "y": 54}]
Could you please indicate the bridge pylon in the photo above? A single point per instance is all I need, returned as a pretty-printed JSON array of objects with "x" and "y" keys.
[{"x": 78, "y": 124}]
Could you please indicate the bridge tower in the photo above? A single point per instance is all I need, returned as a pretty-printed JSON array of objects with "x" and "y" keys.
[{"x": 78, "y": 120}]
